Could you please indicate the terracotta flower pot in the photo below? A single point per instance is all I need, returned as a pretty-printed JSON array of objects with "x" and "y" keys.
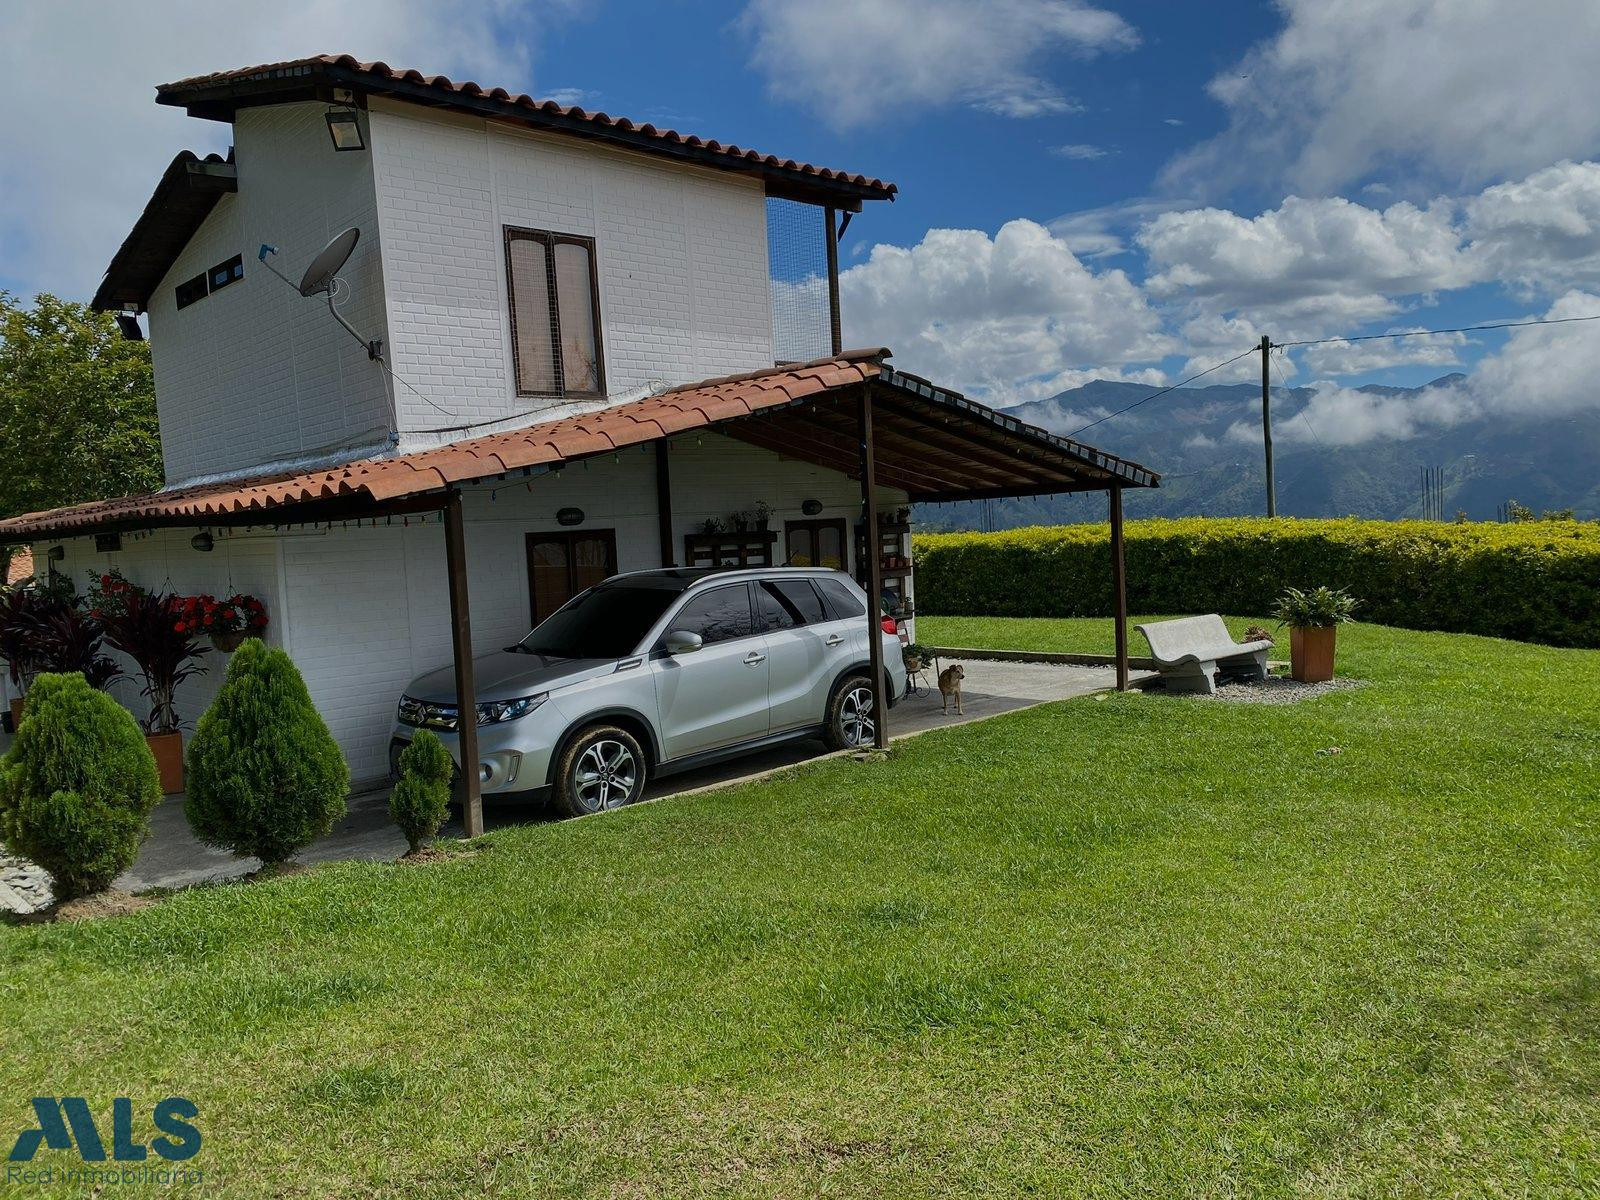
[
  {"x": 229, "y": 642},
  {"x": 1311, "y": 653},
  {"x": 16, "y": 713},
  {"x": 168, "y": 749}
]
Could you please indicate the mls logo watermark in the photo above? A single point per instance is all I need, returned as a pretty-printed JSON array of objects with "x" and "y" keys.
[{"x": 66, "y": 1123}]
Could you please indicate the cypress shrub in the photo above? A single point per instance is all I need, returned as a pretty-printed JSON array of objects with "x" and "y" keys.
[
  {"x": 1537, "y": 581},
  {"x": 420, "y": 801},
  {"x": 77, "y": 786},
  {"x": 265, "y": 776}
]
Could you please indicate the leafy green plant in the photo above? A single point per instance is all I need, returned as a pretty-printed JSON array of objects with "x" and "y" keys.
[
  {"x": 149, "y": 627},
  {"x": 1318, "y": 608},
  {"x": 266, "y": 777},
  {"x": 420, "y": 801},
  {"x": 915, "y": 650},
  {"x": 77, "y": 786},
  {"x": 1537, "y": 581}
]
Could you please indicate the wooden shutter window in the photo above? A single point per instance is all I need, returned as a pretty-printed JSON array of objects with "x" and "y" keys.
[{"x": 555, "y": 313}]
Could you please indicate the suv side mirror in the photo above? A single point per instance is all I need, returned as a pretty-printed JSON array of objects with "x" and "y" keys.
[{"x": 682, "y": 641}]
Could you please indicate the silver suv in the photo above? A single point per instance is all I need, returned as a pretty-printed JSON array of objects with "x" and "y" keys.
[{"x": 658, "y": 671}]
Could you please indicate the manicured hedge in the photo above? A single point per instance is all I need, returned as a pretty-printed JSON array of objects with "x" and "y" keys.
[{"x": 1538, "y": 581}]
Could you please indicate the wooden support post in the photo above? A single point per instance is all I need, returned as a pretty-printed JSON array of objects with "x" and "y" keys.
[
  {"x": 834, "y": 324},
  {"x": 1119, "y": 588},
  {"x": 669, "y": 554},
  {"x": 874, "y": 571},
  {"x": 455, "y": 554}
]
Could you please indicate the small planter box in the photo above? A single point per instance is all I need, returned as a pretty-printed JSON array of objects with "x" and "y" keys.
[
  {"x": 168, "y": 750},
  {"x": 1311, "y": 653}
]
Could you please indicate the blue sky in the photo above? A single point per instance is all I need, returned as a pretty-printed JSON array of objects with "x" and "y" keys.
[{"x": 1128, "y": 190}]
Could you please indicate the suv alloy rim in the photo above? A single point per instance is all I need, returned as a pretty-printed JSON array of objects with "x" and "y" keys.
[
  {"x": 855, "y": 716},
  {"x": 606, "y": 775}
]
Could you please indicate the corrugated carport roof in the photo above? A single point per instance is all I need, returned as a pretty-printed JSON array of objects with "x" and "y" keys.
[{"x": 933, "y": 443}]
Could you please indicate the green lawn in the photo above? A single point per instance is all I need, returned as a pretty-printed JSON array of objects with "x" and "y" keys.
[{"x": 1136, "y": 946}]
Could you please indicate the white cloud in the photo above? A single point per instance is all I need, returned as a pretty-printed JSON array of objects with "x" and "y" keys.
[
  {"x": 1459, "y": 92},
  {"x": 1080, "y": 151},
  {"x": 1354, "y": 358},
  {"x": 1541, "y": 372},
  {"x": 1542, "y": 231},
  {"x": 1014, "y": 316},
  {"x": 78, "y": 161},
  {"x": 1306, "y": 257},
  {"x": 855, "y": 61}
]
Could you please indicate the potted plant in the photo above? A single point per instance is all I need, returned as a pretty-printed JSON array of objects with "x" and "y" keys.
[
  {"x": 149, "y": 627},
  {"x": 741, "y": 521},
  {"x": 228, "y": 622},
  {"x": 915, "y": 654},
  {"x": 713, "y": 525},
  {"x": 71, "y": 640},
  {"x": 1313, "y": 618},
  {"x": 19, "y": 642},
  {"x": 763, "y": 515}
]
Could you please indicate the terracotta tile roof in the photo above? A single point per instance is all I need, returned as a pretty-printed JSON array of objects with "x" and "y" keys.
[
  {"x": 219, "y": 92},
  {"x": 20, "y": 567},
  {"x": 693, "y": 406}
]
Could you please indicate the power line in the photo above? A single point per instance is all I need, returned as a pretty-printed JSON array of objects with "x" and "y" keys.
[
  {"x": 1373, "y": 337},
  {"x": 1164, "y": 391}
]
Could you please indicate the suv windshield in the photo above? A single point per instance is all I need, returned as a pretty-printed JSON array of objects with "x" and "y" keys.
[{"x": 604, "y": 622}]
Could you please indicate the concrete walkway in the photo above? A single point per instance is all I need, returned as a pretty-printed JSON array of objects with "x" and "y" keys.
[{"x": 172, "y": 857}]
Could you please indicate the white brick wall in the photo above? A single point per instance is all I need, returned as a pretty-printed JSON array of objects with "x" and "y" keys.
[
  {"x": 682, "y": 259},
  {"x": 256, "y": 373},
  {"x": 365, "y": 610}
]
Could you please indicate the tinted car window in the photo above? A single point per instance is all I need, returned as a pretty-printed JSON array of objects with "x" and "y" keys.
[
  {"x": 719, "y": 615},
  {"x": 603, "y": 622},
  {"x": 787, "y": 604},
  {"x": 842, "y": 602}
]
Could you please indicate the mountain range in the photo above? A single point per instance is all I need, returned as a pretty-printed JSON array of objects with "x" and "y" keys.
[{"x": 1206, "y": 444}]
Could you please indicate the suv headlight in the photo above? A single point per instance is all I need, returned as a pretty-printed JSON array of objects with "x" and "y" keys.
[
  {"x": 444, "y": 716},
  {"x": 496, "y": 711}
]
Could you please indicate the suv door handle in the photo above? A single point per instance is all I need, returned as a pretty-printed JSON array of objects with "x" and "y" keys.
[
  {"x": 833, "y": 639},
  {"x": 753, "y": 658}
]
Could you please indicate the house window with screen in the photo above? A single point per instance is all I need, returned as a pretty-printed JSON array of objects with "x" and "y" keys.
[{"x": 555, "y": 313}]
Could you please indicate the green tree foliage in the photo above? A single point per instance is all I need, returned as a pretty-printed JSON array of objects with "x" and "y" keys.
[
  {"x": 77, "y": 786},
  {"x": 1535, "y": 581},
  {"x": 420, "y": 801},
  {"x": 77, "y": 408},
  {"x": 265, "y": 776}
]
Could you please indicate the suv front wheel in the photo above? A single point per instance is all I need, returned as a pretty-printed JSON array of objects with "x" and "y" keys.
[
  {"x": 601, "y": 769},
  {"x": 851, "y": 720}
]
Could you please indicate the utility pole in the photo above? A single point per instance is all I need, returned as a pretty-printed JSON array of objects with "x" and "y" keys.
[{"x": 1266, "y": 422}]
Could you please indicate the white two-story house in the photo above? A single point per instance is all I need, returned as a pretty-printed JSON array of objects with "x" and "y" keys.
[{"x": 514, "y": 383}]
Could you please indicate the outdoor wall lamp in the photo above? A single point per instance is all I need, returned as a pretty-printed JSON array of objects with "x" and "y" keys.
[
  {"x": 570, "y": 516},
  {"x": 56, "y": 554},
  {"x": 344, "y": 128},
  {"x": 203, "y": 542},
  {"x": 811, "y": 507}
]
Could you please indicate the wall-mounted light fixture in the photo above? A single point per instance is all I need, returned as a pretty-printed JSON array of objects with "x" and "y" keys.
[
  {"x": 570, "y": 516},
  {"x": 56, "y": 553},
  {"x": 203, "y": 542},
  {"x": 811, "y": 507},
  {"x": 344, "y": 127},
  {"x": 128, "y": 324}
]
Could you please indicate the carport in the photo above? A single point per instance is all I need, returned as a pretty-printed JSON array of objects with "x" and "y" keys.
[{"x": 851, "y": 413}]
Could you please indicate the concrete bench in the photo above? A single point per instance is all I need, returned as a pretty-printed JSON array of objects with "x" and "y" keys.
[{"x": 1192, "y": 651}]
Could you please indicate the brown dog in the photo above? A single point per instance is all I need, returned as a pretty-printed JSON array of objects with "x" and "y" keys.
[{"x": 950, "y": 686}]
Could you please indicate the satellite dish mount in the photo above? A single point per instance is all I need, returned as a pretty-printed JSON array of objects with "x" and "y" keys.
[{"x": 321, "y": 278}]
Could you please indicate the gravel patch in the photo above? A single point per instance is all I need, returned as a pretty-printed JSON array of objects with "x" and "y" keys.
[
  {"x": 1276, "y": 689},
  {"x": 24, "y": 888}
]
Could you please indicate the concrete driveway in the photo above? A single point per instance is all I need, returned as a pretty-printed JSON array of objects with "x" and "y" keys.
[{"x": 172, "y": 857}]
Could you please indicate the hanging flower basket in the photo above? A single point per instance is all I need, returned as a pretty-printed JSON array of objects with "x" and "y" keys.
[{"x": 226, "y": 622}]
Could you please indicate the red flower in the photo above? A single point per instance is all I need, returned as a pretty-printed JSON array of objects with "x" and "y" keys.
[{"x": 178, "y": 627}]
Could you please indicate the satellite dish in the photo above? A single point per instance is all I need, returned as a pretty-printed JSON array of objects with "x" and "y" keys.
[{"x": 319, "y": 275}]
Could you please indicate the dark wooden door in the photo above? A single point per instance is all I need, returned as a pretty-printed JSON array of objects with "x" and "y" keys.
[
  {"x": 564, "y": 563},
  {"x": 815, "y": 544}
]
